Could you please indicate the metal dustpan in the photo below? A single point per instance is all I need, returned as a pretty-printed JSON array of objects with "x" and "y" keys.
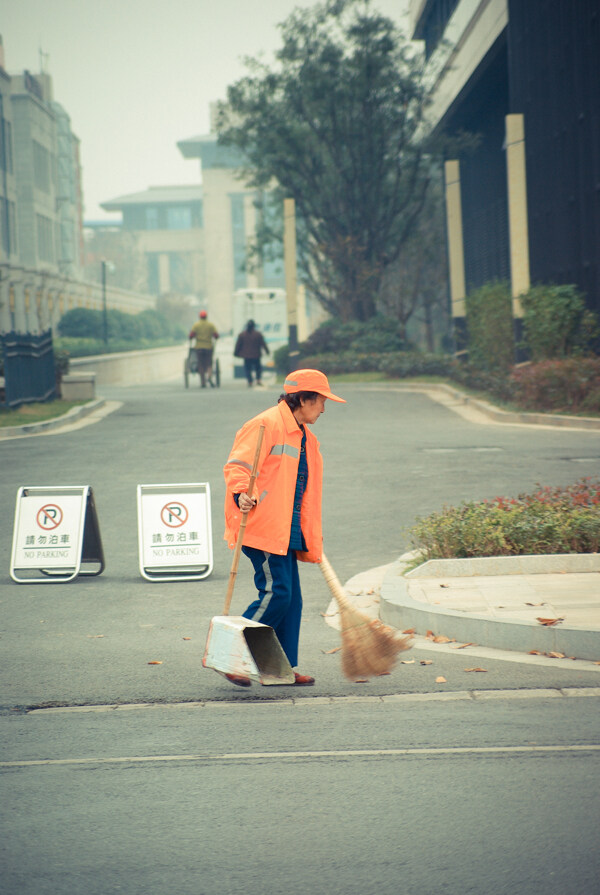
[{"x": 237, "y": 645}]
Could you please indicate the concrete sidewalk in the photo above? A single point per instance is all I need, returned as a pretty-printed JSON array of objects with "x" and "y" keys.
[{"x": 550, "y": 604}]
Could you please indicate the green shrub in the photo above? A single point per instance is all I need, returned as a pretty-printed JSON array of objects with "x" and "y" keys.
[
  {"x": 550, "y": 520},
  {"x": 82, "y": 323},
  {"x": 555, "y": 322},
  {"x": 490, "y": 327}
]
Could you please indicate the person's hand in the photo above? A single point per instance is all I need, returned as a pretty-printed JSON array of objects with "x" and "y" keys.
[{"x": 246, "y": 503}]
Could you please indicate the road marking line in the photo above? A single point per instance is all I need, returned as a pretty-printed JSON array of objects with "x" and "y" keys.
[{"x": 325, "y": 753}]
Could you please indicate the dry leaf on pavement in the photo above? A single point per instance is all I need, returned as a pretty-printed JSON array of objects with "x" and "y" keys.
[
  {"x": 407, "y": 661},
  {"x": 155, "y": 662},
  {"x": 550, "y": 621},
  {"x": 409, "y": 631},
  {"x": 556, "y": 655},
  {"x": 443, "y": 639},
  {"x": 475, "y": 669},
  {"x": 426, "y": 662},
  {"x": 441, "y": 680},
  {"x": 328, "y": 652},
  {"x": 463, "y": 645}
]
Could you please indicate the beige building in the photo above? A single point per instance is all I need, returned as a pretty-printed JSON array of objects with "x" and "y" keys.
[
  {"x": 229, "y": 226},
  {"x": 167, "y": 223}
]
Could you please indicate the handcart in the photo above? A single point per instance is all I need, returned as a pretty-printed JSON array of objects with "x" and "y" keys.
[{"x": 190, "y": 365}]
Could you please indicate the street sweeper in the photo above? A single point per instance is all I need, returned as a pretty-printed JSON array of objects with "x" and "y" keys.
[{"x": 283, "y": 521}]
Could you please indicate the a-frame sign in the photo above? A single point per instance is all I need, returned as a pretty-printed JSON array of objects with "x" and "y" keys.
[{"x": 56, "y": 535}]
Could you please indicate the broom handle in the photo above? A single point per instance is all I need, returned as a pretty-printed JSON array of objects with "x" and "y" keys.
[
  {"x": 240, "y": 537},
  {"x": 333, "y": 581}
]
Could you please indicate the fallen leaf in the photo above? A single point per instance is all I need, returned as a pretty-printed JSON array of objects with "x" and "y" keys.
[
  {"x": 596, "y": 663},
  {"x": 407, "y": 661},
  {"x": 187, "y": 638},
  {"x": 95, "y": 636},
  {"x": 426, "y": 662},
  {"x": 383, "y": 673},
  {"x": 550, "y": 621},
  {"x": 535, "y": 604},
  {"x": 463, "y": 645},
  {"x": 155, "y": 662},
  {"x": 430, "y": 635},
  {"x": 409, "y": 631},
  {"x": 444, "y": 585},
  {"x": 443, "y": 639},
  {"x": 441, "y": 680},
  {"x": 535, "y": 652},
  {"x": 328, "y": 652},
  {"x": 361, "y": 680},
  {"x": 556, "y": 655},
  {"x": 475, "y": 669}
]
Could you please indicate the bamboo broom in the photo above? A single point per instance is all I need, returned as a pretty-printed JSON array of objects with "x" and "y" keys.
[{"x": 369, "y": 647}]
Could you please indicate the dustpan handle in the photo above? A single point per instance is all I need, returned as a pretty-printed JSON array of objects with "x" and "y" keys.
[{"x": 240, "y": 537}]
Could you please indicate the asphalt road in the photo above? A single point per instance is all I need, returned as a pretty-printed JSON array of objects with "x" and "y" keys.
[
  {"x": 398, "y": 785},
  {"x": 389, "y": 456},
  {"x": 465, "y": 796}
]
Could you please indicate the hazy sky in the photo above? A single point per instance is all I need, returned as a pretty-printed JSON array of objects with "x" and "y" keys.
[{"x": 136, "y": 76}]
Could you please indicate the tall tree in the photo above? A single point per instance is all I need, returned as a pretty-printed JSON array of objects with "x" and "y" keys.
[{"x": 335, "y": 124}]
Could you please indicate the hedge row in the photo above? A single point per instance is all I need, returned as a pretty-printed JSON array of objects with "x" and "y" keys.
[{"x": 550, "y": 520}]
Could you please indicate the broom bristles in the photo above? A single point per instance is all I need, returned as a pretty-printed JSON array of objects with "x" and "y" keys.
[{"x": 369, "y": 648}]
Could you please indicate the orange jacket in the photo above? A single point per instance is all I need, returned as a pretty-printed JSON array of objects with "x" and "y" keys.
[{"x": 269, "y": 523}]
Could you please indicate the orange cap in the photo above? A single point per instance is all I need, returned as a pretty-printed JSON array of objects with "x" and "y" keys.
[
  {"x": 309, "y": 381},
  {"x": 202, "y": 314}
]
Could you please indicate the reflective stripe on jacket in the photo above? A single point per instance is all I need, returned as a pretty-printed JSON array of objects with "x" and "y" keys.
[{"x": 268, "y": 524}]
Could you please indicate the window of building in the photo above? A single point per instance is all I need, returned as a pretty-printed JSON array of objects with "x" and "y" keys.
[
  {"x": 238, "y": 227},
  {"x": 179, "y": 217},
  {"x": 152, "y": 217},
  {"x": 438, "y": 16},
  {"x": 6, "y": 157},
  {"x": 180, "y": 272},
  {"x": 45, "y": 238},
  {"x": 41, "y": 167},
  {"x": 152, "y": 269}
]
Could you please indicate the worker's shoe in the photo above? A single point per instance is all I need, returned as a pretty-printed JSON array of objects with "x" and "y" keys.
[
  {"x": 239, "y": 680},
  {"x": 303, "y": 680}
]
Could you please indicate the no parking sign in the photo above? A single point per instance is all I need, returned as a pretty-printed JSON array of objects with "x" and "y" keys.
[
  {"x": 174, "y": 531},
  {"x": 56, "y": 535}
]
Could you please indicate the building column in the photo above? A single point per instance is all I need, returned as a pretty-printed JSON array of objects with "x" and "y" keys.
[
  {"x": 456, "y": 260},
  {"x": 517, "y": 218}
]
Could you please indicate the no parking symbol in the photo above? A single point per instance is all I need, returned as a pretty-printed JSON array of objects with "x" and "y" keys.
[
  {"x": 174, "y": 514},
  {"x": 49, "y": 516}
]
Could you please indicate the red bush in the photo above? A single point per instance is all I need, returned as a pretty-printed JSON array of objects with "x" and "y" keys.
[{"x": 571, "y": 385}]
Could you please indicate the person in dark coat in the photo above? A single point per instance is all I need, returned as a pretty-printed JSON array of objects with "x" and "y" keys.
[{"x": 249, "y": 346}]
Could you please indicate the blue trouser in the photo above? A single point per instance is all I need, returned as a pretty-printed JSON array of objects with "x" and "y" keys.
[{"x": 279, "y": 601}]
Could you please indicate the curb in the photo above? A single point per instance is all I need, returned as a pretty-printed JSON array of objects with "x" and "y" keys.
[
  {"x": 72, "y": 415},
  {"x": 398, "y": 609},
  {"x": 503, "y": 416}
]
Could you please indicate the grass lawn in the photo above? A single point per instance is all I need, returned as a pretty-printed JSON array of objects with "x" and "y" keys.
[{"x": 35, "y": 413}]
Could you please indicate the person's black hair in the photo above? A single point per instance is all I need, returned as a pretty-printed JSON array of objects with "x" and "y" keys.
[
  {"x": 294, "y": 400},
  {"x": 250, "y": 326}
]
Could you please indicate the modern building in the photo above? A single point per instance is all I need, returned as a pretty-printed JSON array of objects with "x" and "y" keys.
[
  {"x": 166, "y": 225},
  {"x": 41, "y": 221},
  {"x": 48, "y": 178},
  {"x": 230, "y": 223},
  {"x": 524, "y": 76}
]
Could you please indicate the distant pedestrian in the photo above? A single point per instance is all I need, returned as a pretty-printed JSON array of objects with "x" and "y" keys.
[
  {"x": 249, "y": 346},
  {"x": 205, "y": 333}
]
